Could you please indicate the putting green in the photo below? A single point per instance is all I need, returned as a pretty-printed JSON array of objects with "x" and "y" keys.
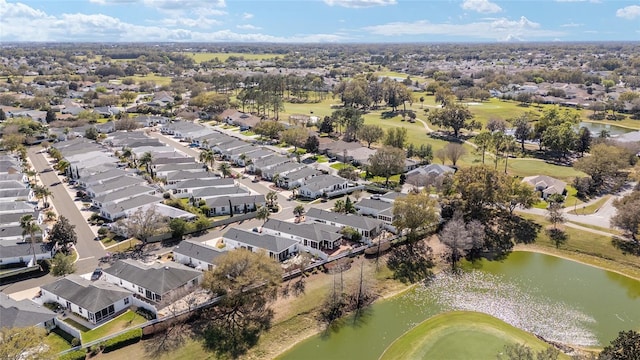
[{"x": 460, "y": 335}]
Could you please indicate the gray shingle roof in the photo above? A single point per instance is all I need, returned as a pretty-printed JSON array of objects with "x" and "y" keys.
[
  {"x": 202, "y": 183},
  {"x": 207, "y": 193},
  {"x": 117, "y": 183},
  {"x": 197, "y": 251},
  {"x": 374, "y": 204},
  {"x": 321, "y": 182},
  {"x": 311, "y": 231},
  {"x": 93, "y": 296},
  {"x": 159, "y": 278},
  {"x": 21, "y": 249},
  {"x": 354, "y": 221},
  {"x": 235, "y": 200},
  {"x": 16, "y": 206},
  {"x": 23, "y": 313},
  {"x": 301, "y": 174},
  {"x": 124, "y": 193},
  {"x": 132, "y": 203},
  {"x": 275, "y": 244}
]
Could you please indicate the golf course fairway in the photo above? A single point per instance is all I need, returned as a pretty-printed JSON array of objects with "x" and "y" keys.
[{"x": 460, "y": 335}]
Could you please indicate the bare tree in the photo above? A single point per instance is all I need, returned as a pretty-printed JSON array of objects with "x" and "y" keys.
[
  {"x": 459, "y": 237},
  {"x": 454, "y": 152},
  {"x": 145, "y": 223}
]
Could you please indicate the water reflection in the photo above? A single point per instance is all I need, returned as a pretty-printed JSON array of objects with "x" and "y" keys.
[{"x": 499, "y": 297}]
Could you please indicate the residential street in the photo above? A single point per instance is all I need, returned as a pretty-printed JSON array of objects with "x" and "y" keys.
[{"x": 89, "y": 251}]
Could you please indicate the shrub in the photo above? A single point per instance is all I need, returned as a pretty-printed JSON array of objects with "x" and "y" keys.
[
  {"x": 122, "y": 340},
  {"x": 74, "y": 355},
  {"x": 103, "y": 231},
  {"x": 75, "y": 342},
  {"x": 147, "y": 314}
]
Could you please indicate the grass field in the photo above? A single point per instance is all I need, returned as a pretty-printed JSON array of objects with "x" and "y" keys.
[
  {"x": 460, "y": 335},
  {"x": 58, "y": 340},
  {"x": 200, "y": 57},
  {"x": 124, "y": 321},
  {"x": 157, "y": 79},
  {"x": 590, "y": 209}
]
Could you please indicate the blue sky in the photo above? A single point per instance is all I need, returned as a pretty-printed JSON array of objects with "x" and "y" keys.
[{"x": 371, "y": 21}]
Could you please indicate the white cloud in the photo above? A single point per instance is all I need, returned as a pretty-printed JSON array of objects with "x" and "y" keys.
[
  {"x": 356, "y": 4},
  {"x": 248, "y": 27},
  {"x": 501, "y": 29},
  {"x": 630, "y": 12},
  {"x": 247, "y": 16},
  {"x": 571, "y": 25},
  {"x": 481, "y": 6},
  {"x": 24, "y": 23},
  {"x": 201, "y": 22}
]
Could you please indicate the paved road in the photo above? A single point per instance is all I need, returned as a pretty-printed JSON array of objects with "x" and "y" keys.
[{"x": 88, "y": 249}]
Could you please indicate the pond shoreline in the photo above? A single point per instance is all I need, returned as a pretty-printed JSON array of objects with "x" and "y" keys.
[
  {"x": 521, "y": 248},
  {"x": 558, "y": 254}
]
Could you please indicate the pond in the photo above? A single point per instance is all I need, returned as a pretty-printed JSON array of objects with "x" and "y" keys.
[
  {"x": 596, "y": 128},
  {"x": 558, "y": 299}
]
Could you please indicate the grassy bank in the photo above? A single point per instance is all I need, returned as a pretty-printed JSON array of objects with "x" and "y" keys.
[
  {"x": 585, "y": 247},
  {"x": 460, "y": 335}
]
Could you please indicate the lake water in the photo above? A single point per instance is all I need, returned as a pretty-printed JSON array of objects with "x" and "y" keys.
[
  {"x": 559, "y": 299},
  {"x": 596, "y": 128}
]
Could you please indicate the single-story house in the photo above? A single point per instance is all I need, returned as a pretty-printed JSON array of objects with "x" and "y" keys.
[
  {"x": 226, "y": 205},
  {"x": 97, "y": 301},
  {"x": 163, "y": 170},
  {"x": 368, "y": 227},
  {"x": 114, "y": 184},
  {"x": 276, "y": 247},
  {"x": 101, "y": 177},
  {"x": 297, "y": 178},
  {"x": 267, "y": 162},
  {"x": 121, "y": 195},
  {"x": 173, "y": 179},
  {"x": 12, "y": 195},
  {"x": 155, "y": 282},
  {"x": 281, "y": 170},
  {"x": 243, "y": 120},
  {"x": 22, "y": 253},
  {"x": 196, "y": 255},
  {"x": 127, "y": 207},
  {"x": 313, "y": 237},
  {"x": 423, "y": 175},
  {"x": 251, "y": 156},
  {"x": 186, "y": 188},
  {"x": 326, "y": 186},
  {"x": 24, "y": 313},
  {"x": 546, "y": 185}
]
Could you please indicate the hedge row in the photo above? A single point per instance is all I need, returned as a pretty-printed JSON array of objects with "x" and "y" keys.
[
  {"x": 122, "y": 340},
  {"x": 74, "y": 355}
]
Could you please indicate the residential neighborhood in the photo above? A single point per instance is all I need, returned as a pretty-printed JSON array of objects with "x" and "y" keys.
[{"x": 184, "y": 194}]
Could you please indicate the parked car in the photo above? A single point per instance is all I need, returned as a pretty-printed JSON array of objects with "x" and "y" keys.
[{"x": 96, "y": 274}]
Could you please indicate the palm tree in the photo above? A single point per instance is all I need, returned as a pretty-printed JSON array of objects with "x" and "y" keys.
[
  {"x": 276, "y": 180},
  {"x": 272, "y": 199},
  {"x": 62, "y": 166},
  {"x": 128, "y": 154},
  {"x": 206, "y": 157},
  {"x": 339, "y": 206},
  {"x": 31, "y": 175},
  {"x": 298, "y": 211},
  {"x": 263, "y": 214},
  {"x": 225, "y": 169},
  {"x": 29, "y": 226},
  {"x": 55, "y": 154},
  {"x": 243, "y": 157},
  {"x": 146, "y": 160},
  {"x": 509, "y": 144},
  {"x": 43, "y": 192}
]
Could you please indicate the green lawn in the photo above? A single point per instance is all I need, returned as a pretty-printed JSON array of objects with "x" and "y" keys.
[
  {"x": 124, "y": 321},
  {"x": 248, "y": 133},
  {"x": 590, "y": 209},
  {"x": 58, "y": 340},
  {"x": 157, "y": 79},
  {"x": 460, "y": 335},
  {"x": 530, "y": 167},
  {"x": 200, "y": 57},
  {"x": 321, "y": 159},
  {"x": 124, "y": 245},
  {"x": 339, "y": 166},
  {"x": 76, "y": 325}
]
